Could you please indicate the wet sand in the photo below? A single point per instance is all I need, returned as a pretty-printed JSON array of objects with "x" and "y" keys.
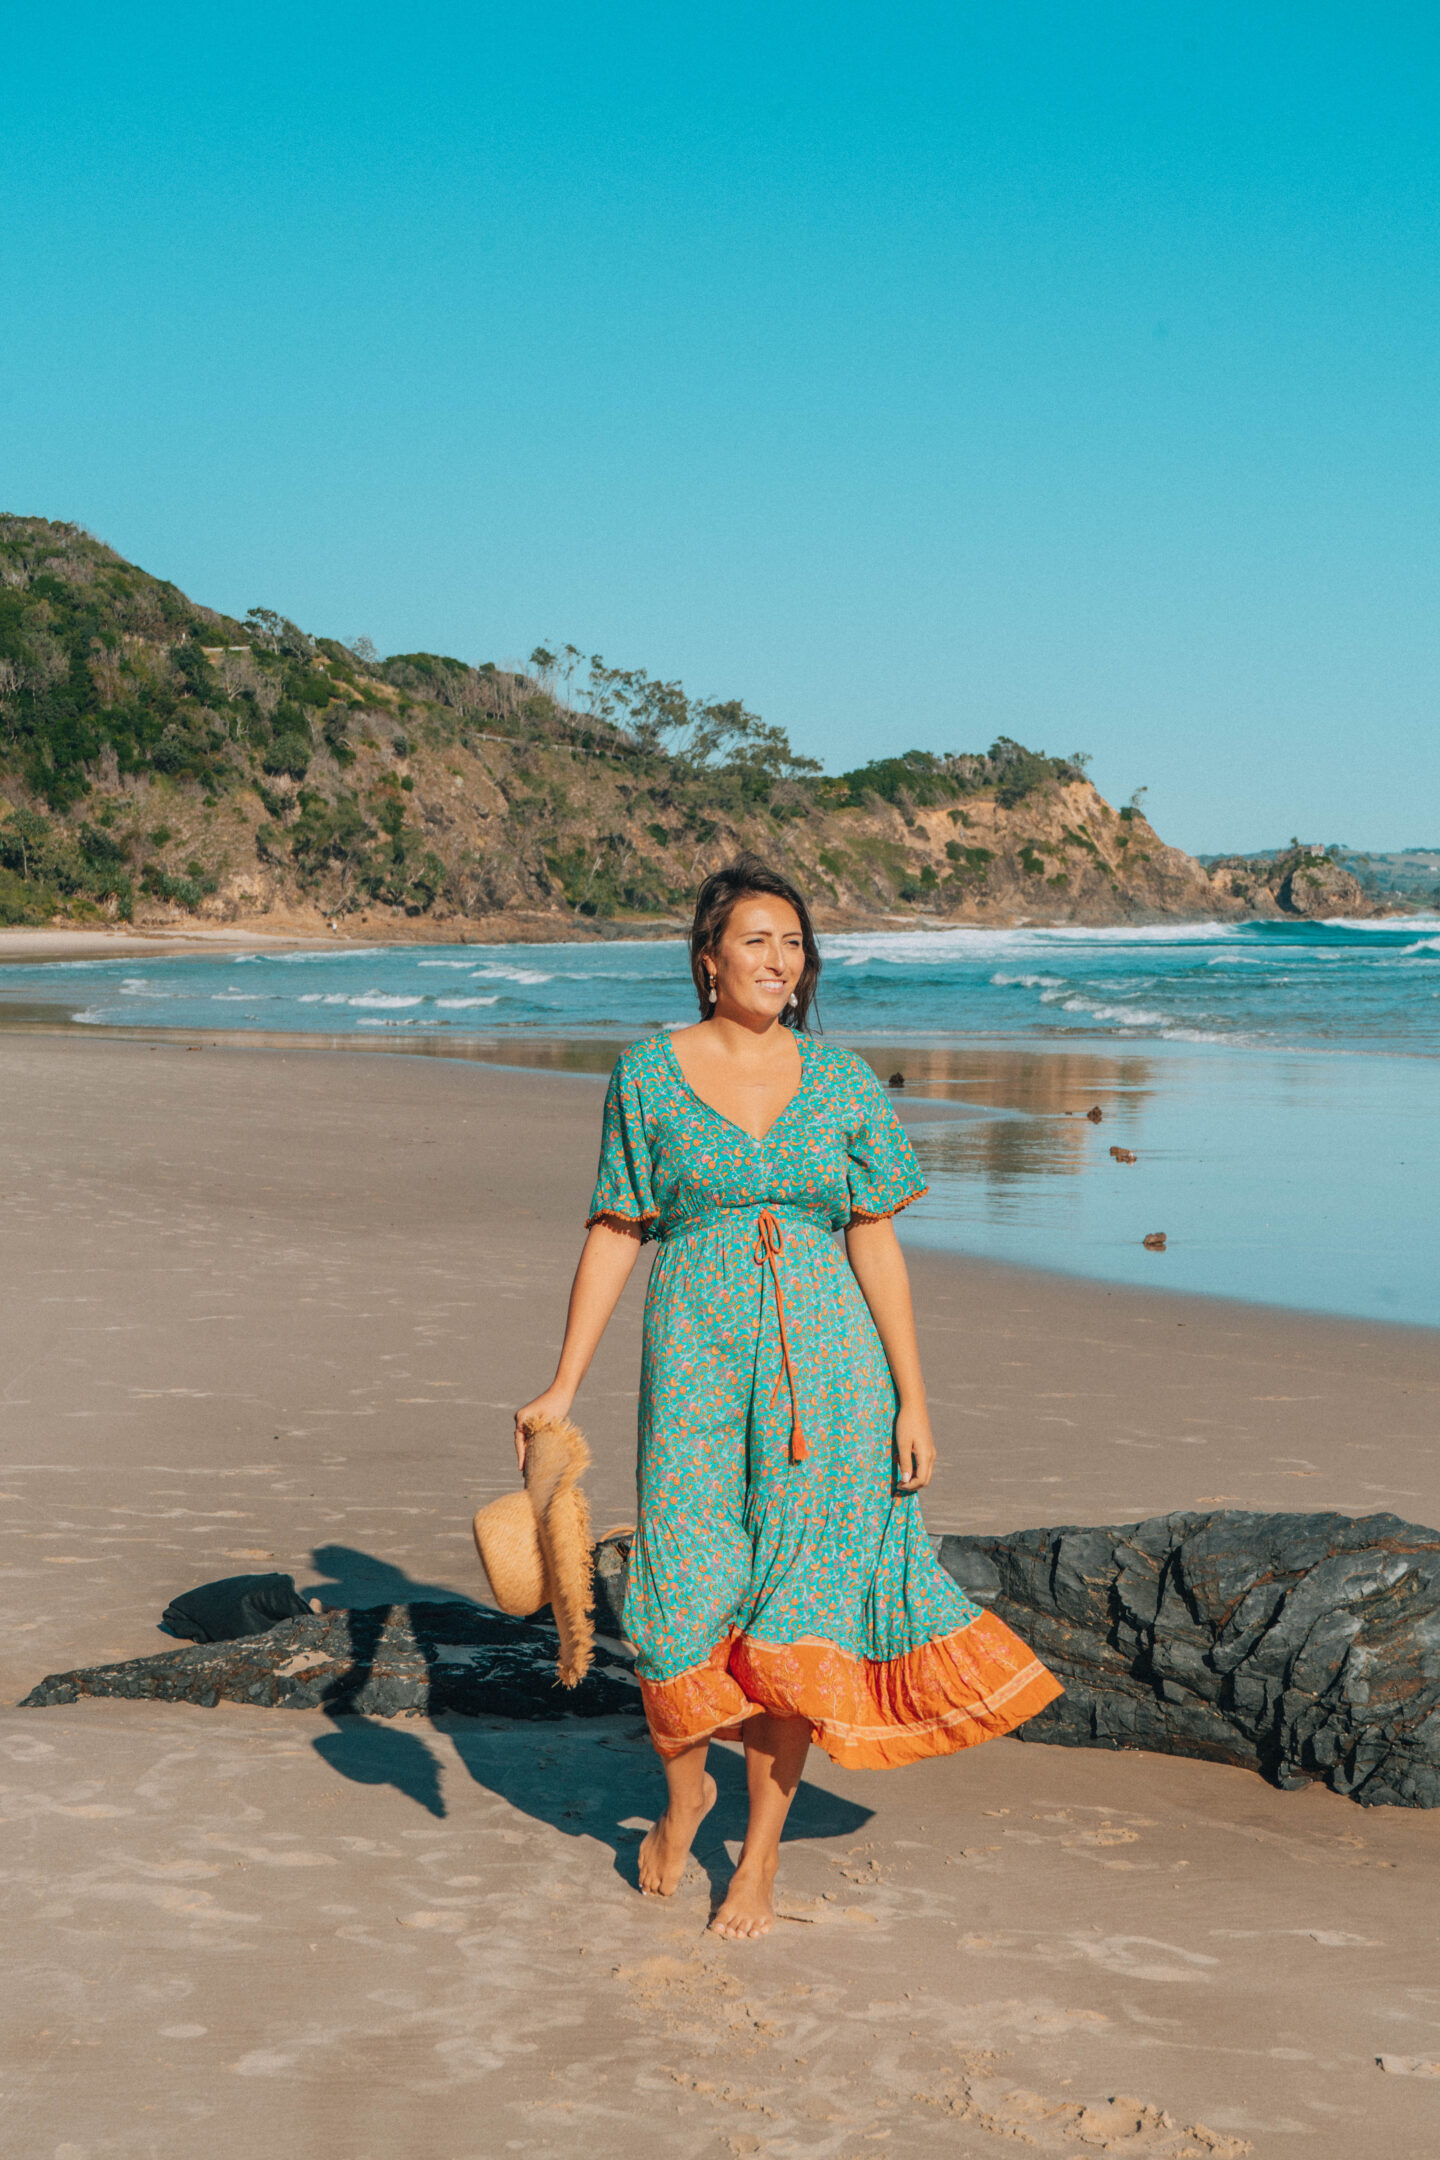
[
  {"x": 263, "y": 1307},
  {"x": 115, "y": 940}
]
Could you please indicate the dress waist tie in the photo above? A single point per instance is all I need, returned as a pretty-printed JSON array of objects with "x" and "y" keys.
[{"x": 769, "y": 1243}]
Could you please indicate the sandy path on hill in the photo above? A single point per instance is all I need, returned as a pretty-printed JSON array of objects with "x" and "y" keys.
[{"x": 272, "y": 1308}]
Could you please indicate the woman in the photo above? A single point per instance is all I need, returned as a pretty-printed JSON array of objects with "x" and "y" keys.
[{"x": 781, "y": 1587}]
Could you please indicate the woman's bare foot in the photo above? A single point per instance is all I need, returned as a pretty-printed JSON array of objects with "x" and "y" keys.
[
  {"x": 666, "y": 1848},
  {"x": 749, "y": 1906}
]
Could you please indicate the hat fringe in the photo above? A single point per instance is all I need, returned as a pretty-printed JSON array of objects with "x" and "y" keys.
[{"x": 556, "y": 1457}]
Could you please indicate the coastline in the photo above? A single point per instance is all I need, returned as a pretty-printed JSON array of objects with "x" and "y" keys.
[
  {"x": 282, "y": 931},
  {"x": 285, "y": 928},
  {"x": 1271, "y": 1167},
  {"x": 272, "y": 1309}
]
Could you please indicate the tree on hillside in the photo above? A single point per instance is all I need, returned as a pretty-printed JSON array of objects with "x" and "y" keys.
[{"x": 700, "y": 734}]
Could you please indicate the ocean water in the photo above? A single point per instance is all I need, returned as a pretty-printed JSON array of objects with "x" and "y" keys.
[{"x": 1280, "y": 1084}]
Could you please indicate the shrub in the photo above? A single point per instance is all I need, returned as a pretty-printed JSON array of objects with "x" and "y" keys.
[
  {"x": 326, "y": 833},
  {"x": 22, "y": 900},
  {"x": 104, "y": 856},
  {"x": 917, "y": 777},
  {"x": 187, "y": 892},
  {"x": 313, "y": 689},
  {"x": 291, "y": 744},
  {"x": 919, "y": 887},
  {"x": 1021, "y": 771},
  {"x": 195, "y": 672},
  {"x": 969, "y": 858},
  {"x": 1081, "y": 839},
  {"x": 605, "y": 877}
]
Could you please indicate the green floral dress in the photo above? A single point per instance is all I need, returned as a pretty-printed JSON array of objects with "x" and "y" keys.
[{"x": 775, "y": 1567}]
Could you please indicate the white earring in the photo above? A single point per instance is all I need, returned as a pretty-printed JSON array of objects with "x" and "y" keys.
[
  {"x": 794, "y": 999},
  {"x": 714, "y": 993}
]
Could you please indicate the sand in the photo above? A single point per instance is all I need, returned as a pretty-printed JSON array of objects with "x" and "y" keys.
[
  {"x": 160, "y": 930},
  {"x": 264, "y": 1307}
]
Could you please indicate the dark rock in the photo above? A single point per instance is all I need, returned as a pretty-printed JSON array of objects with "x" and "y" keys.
[
  {"x": 240, "y": 1605},
  {"x": 375, "y": 1661},
  {"x": 1303, "y": 1646},
  {"x": 897, "y": 1080},
  {"x": 1095, "y": 1115}
]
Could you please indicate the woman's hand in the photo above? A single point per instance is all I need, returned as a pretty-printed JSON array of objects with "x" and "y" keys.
[
  {"x": 878, "y": 1265},
  {"x": 554, "y": 1403},
  {"x": 914, "y": 1450}
]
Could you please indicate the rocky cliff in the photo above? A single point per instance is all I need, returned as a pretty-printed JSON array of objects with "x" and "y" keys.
[{"x": 159, "y": 760}]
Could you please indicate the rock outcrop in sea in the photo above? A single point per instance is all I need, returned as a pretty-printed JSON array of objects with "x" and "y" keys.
[{"x": 1307, "y": 882}]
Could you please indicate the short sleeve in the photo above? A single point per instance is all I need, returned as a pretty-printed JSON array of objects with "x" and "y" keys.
[
  {"x": 622, "y": 1183},
  {"x": 881, "y": 1170}
]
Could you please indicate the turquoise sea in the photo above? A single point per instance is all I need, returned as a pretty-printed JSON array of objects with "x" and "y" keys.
[{"x": 1279, "y": 1084}]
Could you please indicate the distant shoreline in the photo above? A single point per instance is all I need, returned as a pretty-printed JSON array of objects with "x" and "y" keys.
[{"x": 93, "y": 941}]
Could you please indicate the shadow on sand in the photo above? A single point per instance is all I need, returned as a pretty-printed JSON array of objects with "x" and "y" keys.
[
  {"x": 372, "y": 1751},
  {"x": 586, "y": 1777}
]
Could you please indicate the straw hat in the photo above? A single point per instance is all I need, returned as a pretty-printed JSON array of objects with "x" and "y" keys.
[{"x": 535, "y": 1545}]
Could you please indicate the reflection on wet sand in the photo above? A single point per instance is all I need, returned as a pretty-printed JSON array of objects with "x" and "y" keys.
[
  {"x": 1037, "y": 1081},
  {"x": 1040, "y": 1100},
  {"x": 577, "y": 1054},
  {"x": 1036, "y": 1099}
]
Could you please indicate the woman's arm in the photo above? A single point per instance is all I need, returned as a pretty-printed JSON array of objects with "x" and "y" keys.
[
  {"x": 878, "y": 1265},
  {"x": 611, "y": 1248}
]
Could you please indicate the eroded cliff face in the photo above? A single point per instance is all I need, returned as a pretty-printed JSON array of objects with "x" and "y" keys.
[{"x": 1062, "y": 855}]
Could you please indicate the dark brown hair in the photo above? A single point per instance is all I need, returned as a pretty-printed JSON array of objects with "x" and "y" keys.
[{"x": 747, "y": 877}]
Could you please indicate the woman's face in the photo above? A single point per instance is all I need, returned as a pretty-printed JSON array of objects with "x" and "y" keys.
[{"x": 759, "y": 958}]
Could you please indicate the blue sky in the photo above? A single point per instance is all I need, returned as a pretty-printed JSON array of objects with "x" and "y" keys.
[{"x": 917, "y": 373}]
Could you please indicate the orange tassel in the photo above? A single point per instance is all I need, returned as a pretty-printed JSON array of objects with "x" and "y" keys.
[{"x": 768, "y": 1244}]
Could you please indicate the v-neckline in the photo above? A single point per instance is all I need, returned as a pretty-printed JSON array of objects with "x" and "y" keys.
[{"x": 720, "y": 1116}]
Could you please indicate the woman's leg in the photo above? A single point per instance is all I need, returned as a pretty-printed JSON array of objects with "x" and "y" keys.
[
  {"x": 667, "y": 1847},
  {"x": 775, "y": 1751}
]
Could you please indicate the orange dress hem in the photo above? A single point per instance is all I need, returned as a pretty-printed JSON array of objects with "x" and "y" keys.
[{"x": 866, "y": 1713}]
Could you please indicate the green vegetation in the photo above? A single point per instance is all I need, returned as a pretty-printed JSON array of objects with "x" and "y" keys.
[
  {"x": 975, "y": 860},
  {"x": 921, "y": 779},
  {"x": 141, "y": 736},
  {"x": 607, "y": 878},
  {"x": 47, "y": 864}
]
